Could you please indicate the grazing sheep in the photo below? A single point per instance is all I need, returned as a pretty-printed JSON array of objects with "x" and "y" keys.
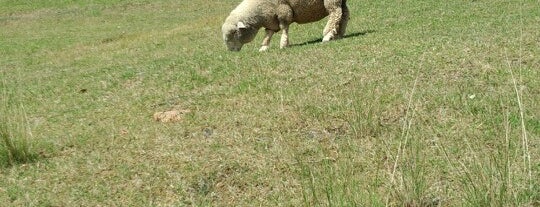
[{"x": 246, "y": 19}]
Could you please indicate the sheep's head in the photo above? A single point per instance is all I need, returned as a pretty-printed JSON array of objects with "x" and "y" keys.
[{"x": 237, "y": 34}]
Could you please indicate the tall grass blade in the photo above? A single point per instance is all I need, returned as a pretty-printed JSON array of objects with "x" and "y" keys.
[{"x": 14, "y": 133}]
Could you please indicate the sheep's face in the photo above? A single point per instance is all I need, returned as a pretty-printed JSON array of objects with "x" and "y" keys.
[
  {"x": 236, "y": 35},
  {"x": 231, "y": 40}
]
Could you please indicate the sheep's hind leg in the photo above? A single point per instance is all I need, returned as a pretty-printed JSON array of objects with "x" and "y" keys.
[
  {"x": 266, "y": 40},
  {"x": 334, "y": 19},
  {"x": 285, "y": 17},
  {"x": 344, "y": 20},
  {"x": 284, "y": 36}
]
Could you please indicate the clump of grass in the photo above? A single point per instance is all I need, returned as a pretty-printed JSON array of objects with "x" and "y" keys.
[
  {"x": 491, "y": 179},
  {"x": 498, "y": 178},
  {"x": 15, "y": 136},
  {"x": 329, "y": 175},
  {"x": 328, "y": 183},
  {"x": 409, "y": 176}
]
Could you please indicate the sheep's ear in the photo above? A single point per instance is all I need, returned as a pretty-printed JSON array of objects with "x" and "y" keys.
[{"x": 240, "y": 25}]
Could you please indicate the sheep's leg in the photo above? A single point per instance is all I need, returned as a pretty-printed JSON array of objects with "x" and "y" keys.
[
  {"x": 344, "y": 19},
  {"x": 326, "y": 29},
  {"x": 284, "y": 36},
  {"x": 334, "y": 19},
  {"x": 285, "y": 17},
  {"x": 266, "y": 40}
]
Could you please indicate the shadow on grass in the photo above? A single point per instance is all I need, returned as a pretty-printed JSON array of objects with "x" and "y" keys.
[{"x": 350, "y": 35}]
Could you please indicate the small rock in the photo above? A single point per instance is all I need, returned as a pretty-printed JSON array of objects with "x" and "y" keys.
[{"x": 207, "y": 132}]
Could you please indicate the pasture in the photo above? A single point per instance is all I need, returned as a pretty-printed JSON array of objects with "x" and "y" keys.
[{"x": 423, "y": 103}]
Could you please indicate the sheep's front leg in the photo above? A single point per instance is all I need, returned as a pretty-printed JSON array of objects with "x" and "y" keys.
[
  {"x": 284, "y": 36},
  {"x": 334, "y": 19},
  {"x": 266, "y": 40}
]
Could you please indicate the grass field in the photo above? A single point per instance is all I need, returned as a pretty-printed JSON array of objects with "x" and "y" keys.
[{"x": 424, "y": 103}]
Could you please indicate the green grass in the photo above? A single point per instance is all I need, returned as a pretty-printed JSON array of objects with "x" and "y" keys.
[
  {"x": 15, "y": 137},
  {"x": 425, "y": 103}
]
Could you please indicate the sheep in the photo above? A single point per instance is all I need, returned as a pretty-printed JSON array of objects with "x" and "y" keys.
[{"x": 243, "y": 23}]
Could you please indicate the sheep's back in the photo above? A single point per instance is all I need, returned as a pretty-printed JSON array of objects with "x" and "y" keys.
[{"x": 306, "y": 11}]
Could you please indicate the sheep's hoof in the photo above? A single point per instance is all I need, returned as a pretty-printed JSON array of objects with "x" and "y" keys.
[
  {"x": 283, "y": 44},
  {"x": 263, "y": 48},
  {"x": 328, "y": 37}
]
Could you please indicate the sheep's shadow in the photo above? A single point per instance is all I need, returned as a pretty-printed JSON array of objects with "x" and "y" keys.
[{"x": 319, "y": 40}]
